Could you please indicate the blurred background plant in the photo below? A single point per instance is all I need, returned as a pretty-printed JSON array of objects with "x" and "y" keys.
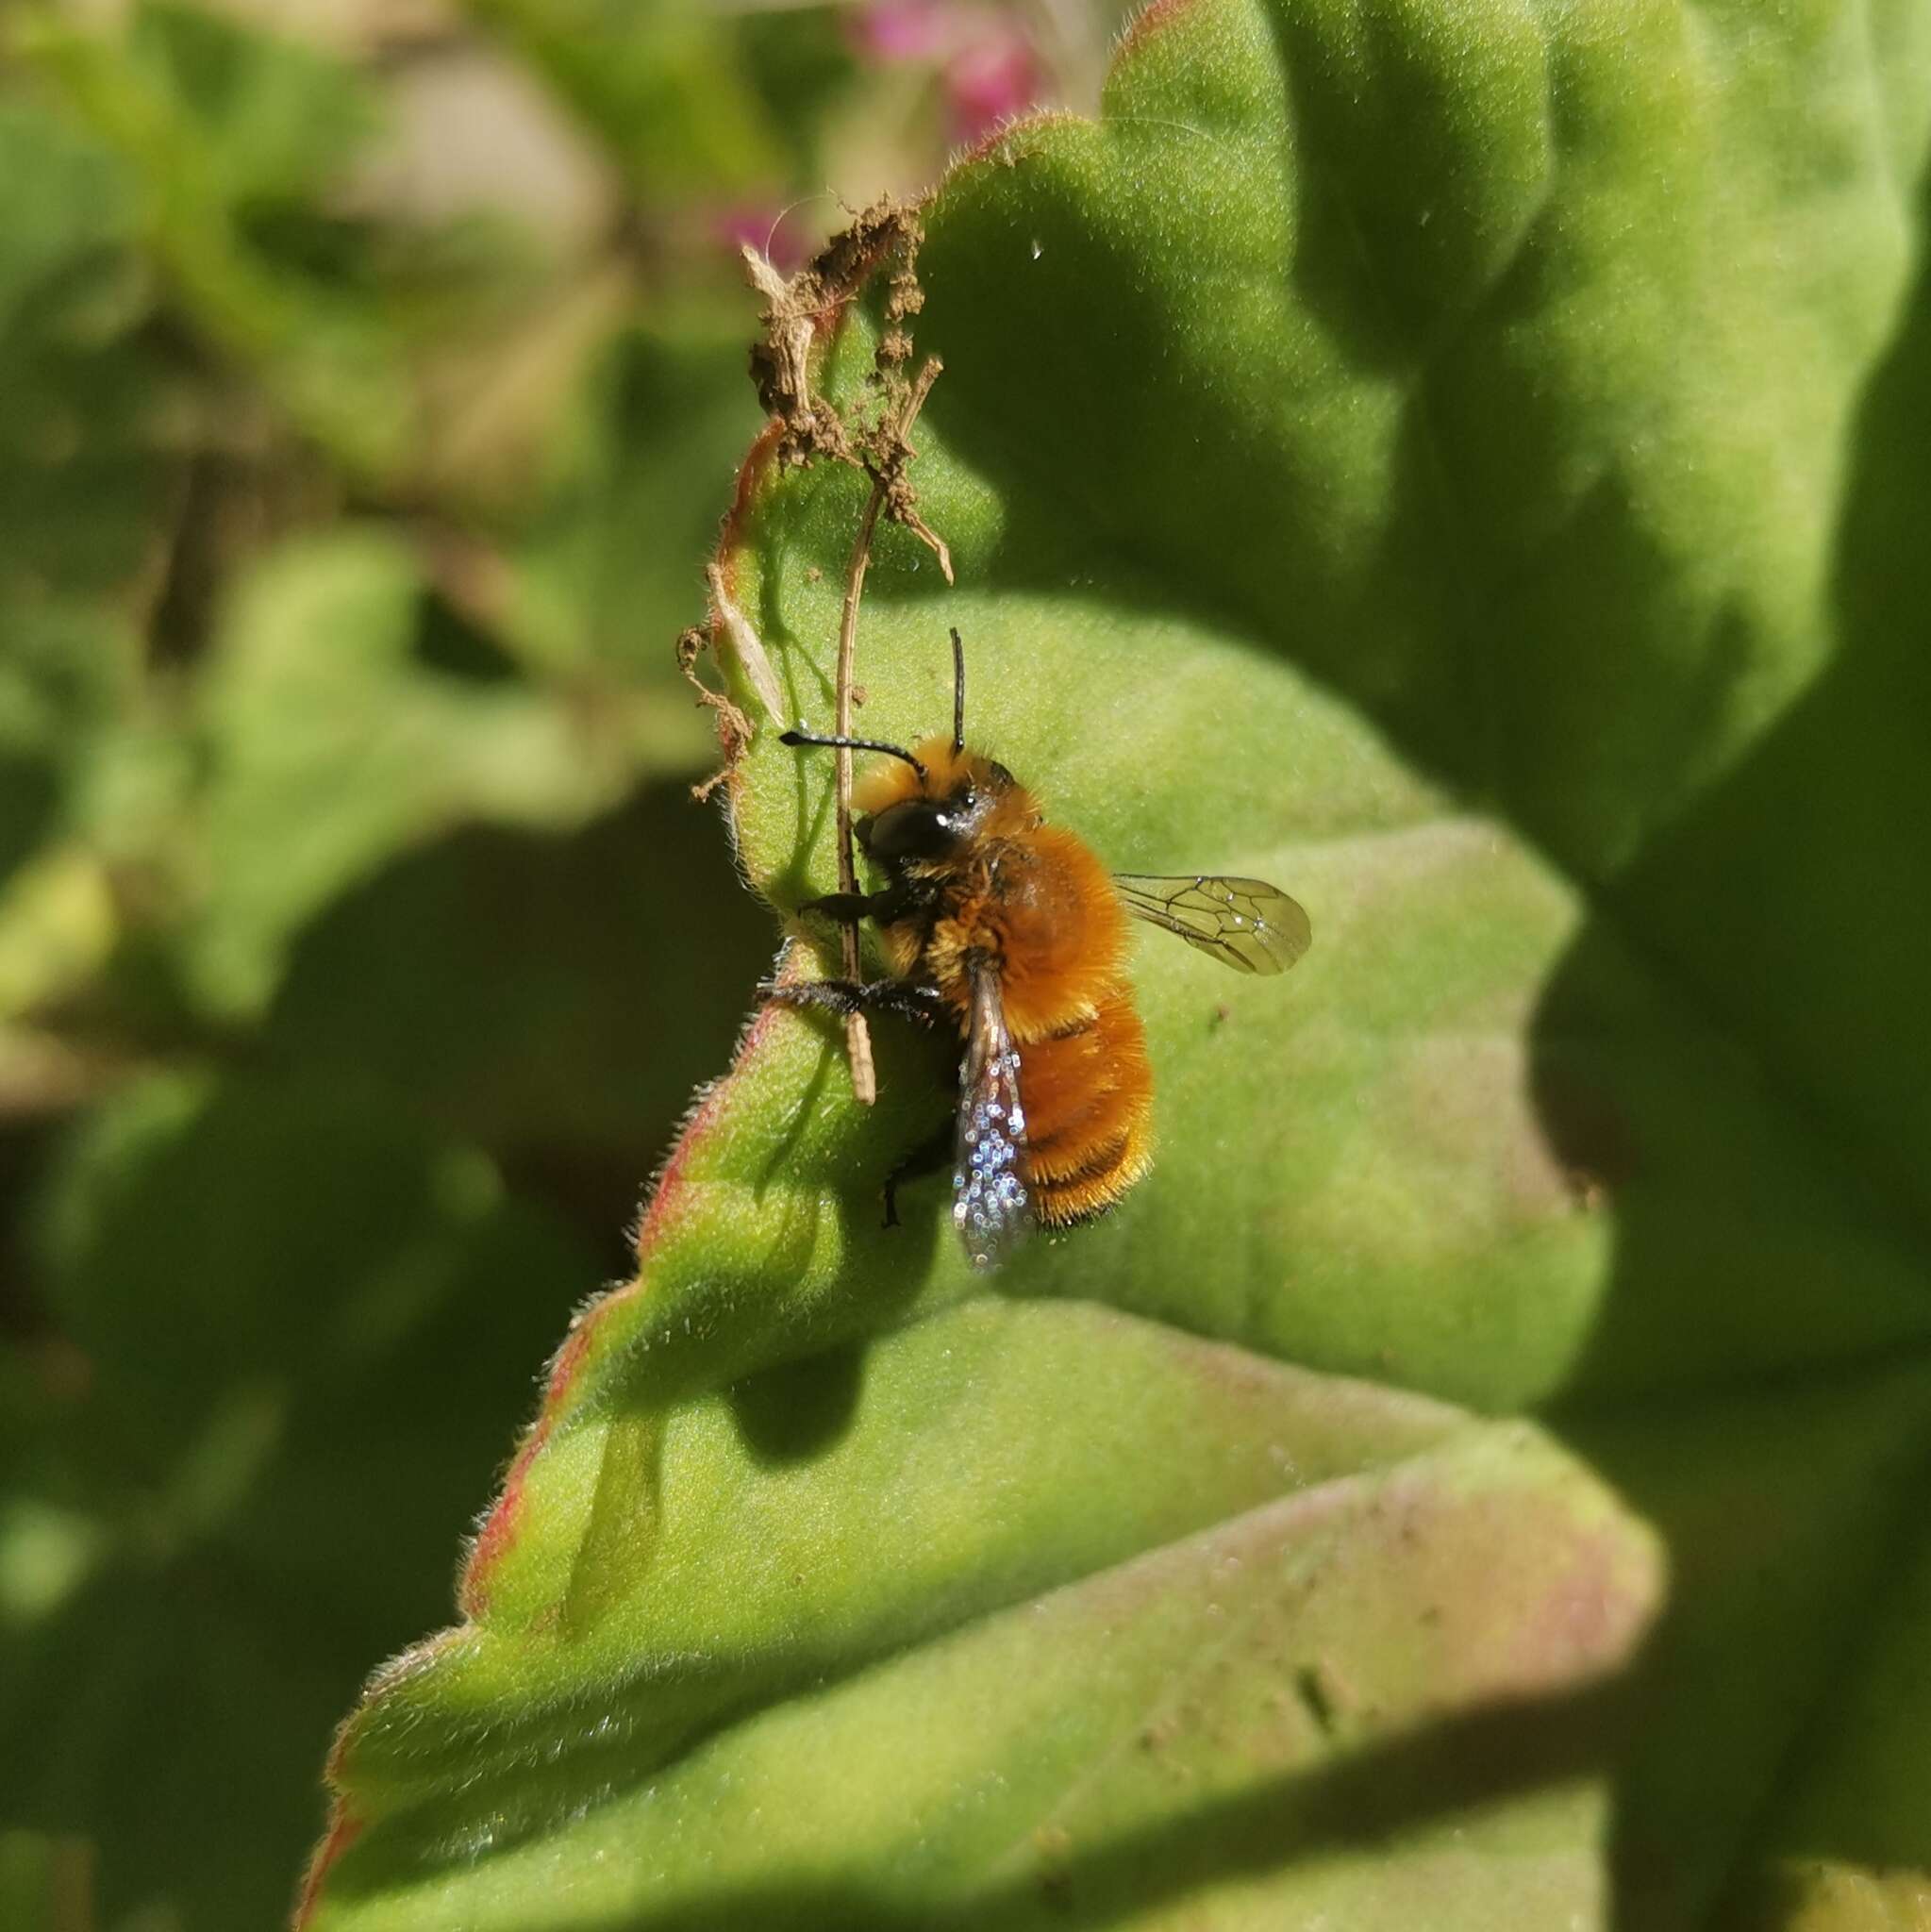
[{"x": 372, "y": 378}]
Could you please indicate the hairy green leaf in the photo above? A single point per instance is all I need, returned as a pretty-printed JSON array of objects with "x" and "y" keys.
[{"x": 1459, "y": 462}]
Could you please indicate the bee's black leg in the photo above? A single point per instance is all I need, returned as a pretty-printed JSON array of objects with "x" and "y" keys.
[
  {"x": 904, "y": 997},
  {"x": 933, "y": 1157},
  {"x": 848, "y": 909}
]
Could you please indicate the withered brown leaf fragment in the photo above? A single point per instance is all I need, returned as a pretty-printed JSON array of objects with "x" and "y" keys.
[
  {"x": 734, "y": 727},
  {"x": 801, "y": 308},
  {"x": 802, "y": 311}
]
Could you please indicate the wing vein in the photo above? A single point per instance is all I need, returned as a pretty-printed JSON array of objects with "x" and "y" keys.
[{"x": 1245, "y": 923}]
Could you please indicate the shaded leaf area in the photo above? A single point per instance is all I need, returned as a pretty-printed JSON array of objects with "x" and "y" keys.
[
  {"x": 347, "y": 872},
  {"x": 340, "y": 731},
  {"x": 1455, "y": 463},
  {"x": 283, "y": 1312},
  {"x": 1849, "y": 1831},
  {"x": 191, "y": 1538}
]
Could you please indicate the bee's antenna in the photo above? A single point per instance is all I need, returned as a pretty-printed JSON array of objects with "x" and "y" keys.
[
  {"x": 957, "y": 693},
  {"x": 800, "y": 736}
]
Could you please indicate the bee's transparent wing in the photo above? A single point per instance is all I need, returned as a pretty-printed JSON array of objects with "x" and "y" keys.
[
  {"x": 990, "y": 1206},
  {"x": 1244, "y": 923}
]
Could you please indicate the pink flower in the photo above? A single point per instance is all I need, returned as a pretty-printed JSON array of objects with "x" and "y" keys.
[
  {"x": 989, "y": 79},
  {"x": 987, "y": 67},
  {"x": 887, "y": 31}
]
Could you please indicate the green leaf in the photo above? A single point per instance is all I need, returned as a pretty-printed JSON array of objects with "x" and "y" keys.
[
  {"x": 655, "y": 79},
  {"x": 57, "y": 686},
  {"x": 208, "y": 125},
  {"x": 651, "y": 437},
  {"x": 506, "y": 981},
  {"x": 1463, "y": 462},
  {"x": 337, "y": 741},
  {"x": 81, "y": 470},
  {"x": 198, "y": 1542},
  {"x": 279, "y": 120},
  {"x": 80, "y": 467}
]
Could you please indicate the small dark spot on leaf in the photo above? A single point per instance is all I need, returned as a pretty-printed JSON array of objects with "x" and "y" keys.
[
  {"x": 1317, "y": 1699},
  {"x": 1592, "y": 1138},
  {"x": 1054, "y": 1844}
]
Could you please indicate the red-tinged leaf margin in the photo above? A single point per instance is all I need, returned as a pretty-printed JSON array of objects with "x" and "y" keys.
[
  {"x": 1153, "y": 18},
  {"x": 345, "y": 1825},
  {"x": 660, "y": 1213}
]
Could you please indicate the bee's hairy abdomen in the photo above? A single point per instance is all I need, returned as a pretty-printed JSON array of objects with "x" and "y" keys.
[{"x": 1089, "y": 1102}]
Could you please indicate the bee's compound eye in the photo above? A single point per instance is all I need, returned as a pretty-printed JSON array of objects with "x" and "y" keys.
[{"x": 916, "y": 828}]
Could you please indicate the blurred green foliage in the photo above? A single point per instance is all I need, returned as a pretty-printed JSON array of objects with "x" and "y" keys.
[{"x": 366, "y": 408}]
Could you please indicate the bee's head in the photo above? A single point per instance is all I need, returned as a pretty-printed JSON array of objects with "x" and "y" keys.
[
  {"x": 928, "y": 804},
  {"x": 933, "y": 816}
]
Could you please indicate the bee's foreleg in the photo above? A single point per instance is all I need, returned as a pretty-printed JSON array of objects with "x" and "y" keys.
[
  {"x": 848, "y": 909},
  {"x": 904, "y": 997},
  {"x": 932, "y": 1157}
]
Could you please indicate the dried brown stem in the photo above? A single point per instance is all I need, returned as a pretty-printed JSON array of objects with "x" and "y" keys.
[{"x": 858, "y": 1033}]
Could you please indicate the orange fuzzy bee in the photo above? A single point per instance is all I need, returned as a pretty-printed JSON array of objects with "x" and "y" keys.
[{"x": 1011, "y": 930}]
